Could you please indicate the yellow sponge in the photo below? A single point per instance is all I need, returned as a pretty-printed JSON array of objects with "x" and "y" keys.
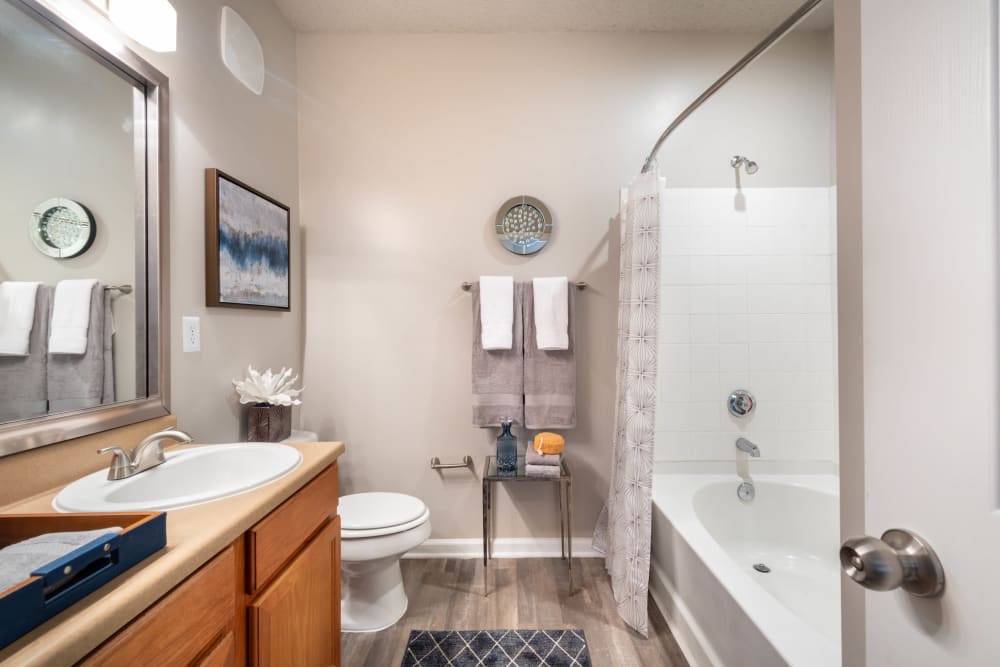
[{"x": 549, "y": 443}]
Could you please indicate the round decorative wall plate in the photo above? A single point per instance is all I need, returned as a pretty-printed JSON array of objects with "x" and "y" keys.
[
  {"x": 523, "y": 225},
  {"x": 62, "y": 228}
]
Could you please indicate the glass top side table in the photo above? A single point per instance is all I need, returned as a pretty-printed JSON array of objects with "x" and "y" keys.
[{"x": 492, "y": 476}]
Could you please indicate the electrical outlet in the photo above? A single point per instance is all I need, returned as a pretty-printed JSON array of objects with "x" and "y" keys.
[{"x": 191, "y": 333}]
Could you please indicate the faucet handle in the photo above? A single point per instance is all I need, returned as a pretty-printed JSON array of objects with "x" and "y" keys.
[{"x": 121, "y": 462}]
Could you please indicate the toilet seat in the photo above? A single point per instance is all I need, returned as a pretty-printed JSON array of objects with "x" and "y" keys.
[
  {"x": 388, "y": 530},
  {"x": 379, "y": 513}
]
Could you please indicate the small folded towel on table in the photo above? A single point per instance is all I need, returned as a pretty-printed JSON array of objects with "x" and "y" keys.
[
  {"x": 533, "y": 458},
  {"x": 542, "y": 471}
]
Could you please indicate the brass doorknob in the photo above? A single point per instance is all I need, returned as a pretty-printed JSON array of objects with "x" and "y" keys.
[{"x": 900, "y": 559}]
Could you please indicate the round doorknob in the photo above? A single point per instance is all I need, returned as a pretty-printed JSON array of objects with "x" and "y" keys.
[{"x": 900, "y": 559}]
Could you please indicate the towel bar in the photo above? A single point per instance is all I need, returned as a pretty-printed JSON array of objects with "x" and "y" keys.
[
  {"x": 437, "y": 465},
  {"x": 466, "y": 286}
]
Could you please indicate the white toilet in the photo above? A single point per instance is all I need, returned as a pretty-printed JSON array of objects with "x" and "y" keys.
[{"x": 375, "y": 530}]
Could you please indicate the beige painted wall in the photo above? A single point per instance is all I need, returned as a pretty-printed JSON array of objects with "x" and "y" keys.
[
  {"x": 216, "y": 122},
  {"x": 409, "y": 143}
]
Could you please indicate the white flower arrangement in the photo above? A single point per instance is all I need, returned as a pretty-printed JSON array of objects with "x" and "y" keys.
[{"x": 267, "y": 387}]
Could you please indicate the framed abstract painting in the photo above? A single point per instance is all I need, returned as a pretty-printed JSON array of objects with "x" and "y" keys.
[{"x": 246, "y": 246}]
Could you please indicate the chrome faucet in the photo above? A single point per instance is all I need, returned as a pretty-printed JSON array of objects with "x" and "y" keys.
[
  {"x": 745, "y": 445},
  {"x": 147, "y": 454}
]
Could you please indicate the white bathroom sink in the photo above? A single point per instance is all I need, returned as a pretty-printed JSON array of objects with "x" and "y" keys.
[{"x": 189, "y": 477}]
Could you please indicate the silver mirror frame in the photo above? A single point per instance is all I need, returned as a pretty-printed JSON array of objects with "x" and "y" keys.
[{"x": 152, "y": 269}]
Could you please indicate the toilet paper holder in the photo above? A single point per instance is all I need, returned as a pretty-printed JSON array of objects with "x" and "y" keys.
[{"x": 437, "y": 465}]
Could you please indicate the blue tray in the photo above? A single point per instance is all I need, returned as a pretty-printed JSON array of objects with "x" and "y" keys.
[{"x": 62, "y": 582}]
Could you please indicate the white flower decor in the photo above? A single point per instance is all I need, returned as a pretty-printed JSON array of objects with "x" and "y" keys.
[{"x": 268, "y": 387}]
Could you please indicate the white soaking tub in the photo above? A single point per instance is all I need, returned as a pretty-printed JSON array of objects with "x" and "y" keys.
[{"x": 706, "y": 542}]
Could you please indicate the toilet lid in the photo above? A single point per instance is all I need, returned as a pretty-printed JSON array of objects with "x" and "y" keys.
[{"x": 379, "y": 509}]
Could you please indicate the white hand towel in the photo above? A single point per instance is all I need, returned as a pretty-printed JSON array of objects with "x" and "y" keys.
[
  {"x": 17, "y": 316},
  {"x": 496, "y": 309},
  {"x": 71, "y": 316},
  {"x": 551, "y": 313}
]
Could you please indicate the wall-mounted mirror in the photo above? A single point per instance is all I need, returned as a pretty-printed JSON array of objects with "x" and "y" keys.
[{"x": 82, "y": 213}]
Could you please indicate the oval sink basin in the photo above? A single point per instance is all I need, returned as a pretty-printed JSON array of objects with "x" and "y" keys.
[{"x": 189, "y": 477}]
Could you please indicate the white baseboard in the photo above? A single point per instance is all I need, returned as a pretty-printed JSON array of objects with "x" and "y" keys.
[
  {"x": 686, "y": 630},
  {"x": 503, "y": 547}
]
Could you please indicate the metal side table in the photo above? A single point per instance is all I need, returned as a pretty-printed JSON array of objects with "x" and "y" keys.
[{"x": 565, "y": 482}]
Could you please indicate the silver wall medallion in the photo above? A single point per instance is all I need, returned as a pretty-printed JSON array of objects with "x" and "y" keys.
[
  {"x": 61, "y": 228},
  {"x": 523, "y": 225}
]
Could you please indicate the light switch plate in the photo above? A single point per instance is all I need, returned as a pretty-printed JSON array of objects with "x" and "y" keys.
[{"x": 191, "y": 333}]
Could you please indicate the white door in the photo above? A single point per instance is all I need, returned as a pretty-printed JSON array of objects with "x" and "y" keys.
[{"x": 917, "y": 179}]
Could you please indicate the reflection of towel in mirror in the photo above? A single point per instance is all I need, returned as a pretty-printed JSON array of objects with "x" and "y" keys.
[
  {"x": 71, "y": 316},
  {"x": 77, "y": 381},
  {"x": 17, "y": 316},
  {"x": 22, "y": 379}
]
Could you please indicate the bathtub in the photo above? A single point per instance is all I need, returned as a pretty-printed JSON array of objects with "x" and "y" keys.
[{"x": 706, "y": 542}]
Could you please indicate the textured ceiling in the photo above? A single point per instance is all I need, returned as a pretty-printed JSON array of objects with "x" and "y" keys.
[{"x": 545, "y": 15}]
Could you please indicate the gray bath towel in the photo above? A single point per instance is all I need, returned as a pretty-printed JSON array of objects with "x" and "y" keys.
[
  {"x": 19, "y": 560},
  {"x": 533, "y": 458},
  {"x": 549, "y": 375},
  {"x": 497, "y": 375},
  {"x": 542, "y": 471},
  {"x": 22, "y": 379},
  {"x": 77, "y": 381}
]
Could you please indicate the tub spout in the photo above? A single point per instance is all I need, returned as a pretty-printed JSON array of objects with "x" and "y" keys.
[{"x": 745, "y": 445}]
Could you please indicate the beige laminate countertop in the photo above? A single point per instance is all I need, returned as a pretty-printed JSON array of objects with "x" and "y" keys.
[{"x": 194, "y": 535}]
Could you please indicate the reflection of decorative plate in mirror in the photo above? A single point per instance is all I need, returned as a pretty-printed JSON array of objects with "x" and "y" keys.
[
  {"x": 62, "y": 228},
  {"x": 523, "y": 225}
]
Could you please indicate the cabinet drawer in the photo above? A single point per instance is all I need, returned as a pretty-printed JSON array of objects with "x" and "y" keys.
[
  {"x": 223, "y": 654},
  {"x": 179, "y": 627},
  {"x": 284, "y": 531}
]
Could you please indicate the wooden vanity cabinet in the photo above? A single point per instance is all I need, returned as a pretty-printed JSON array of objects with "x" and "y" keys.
[{"x": 272, "y": 598}]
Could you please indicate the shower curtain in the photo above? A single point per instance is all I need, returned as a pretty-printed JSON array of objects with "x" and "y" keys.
[{"x": 623, "y": 527}]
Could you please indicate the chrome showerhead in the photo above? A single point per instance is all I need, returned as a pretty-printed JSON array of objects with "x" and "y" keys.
[{"x": 748, "y": 165}]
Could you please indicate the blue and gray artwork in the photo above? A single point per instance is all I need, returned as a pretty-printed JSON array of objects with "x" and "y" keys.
[{"x": 253, "y": 248}]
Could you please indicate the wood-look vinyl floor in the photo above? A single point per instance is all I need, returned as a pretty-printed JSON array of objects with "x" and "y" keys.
[{"x": 525, "y": 593}]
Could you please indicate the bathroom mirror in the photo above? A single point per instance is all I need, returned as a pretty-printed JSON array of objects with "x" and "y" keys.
[{"x": 82, "y": 214}]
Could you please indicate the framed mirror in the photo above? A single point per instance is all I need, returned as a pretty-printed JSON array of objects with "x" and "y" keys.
[{"x": 83, "y": 221}]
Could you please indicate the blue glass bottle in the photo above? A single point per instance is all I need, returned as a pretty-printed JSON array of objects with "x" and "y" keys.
[{"x": 506, "y": 449}]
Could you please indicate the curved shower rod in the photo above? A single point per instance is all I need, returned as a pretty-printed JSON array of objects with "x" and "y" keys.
[{"x": 751, "y": 56}]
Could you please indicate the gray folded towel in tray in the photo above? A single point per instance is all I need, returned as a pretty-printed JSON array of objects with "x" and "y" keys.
[
  {"x": 542, "y": 471},
  {"x": 533, "y": 458},
  {"x": 19, "y": 560}
]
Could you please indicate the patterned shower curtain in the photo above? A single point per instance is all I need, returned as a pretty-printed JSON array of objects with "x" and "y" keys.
[{"x": 623, "y": 528}]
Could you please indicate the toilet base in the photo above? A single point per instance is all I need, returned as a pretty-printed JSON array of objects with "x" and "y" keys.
[{"x": 373, "y": 598}]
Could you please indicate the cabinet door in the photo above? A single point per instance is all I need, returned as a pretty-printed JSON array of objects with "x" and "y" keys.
[{"x": 296, "y": 620}]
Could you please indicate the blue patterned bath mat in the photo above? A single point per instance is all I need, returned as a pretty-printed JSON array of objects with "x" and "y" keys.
[{"x": 497, "y": 648}]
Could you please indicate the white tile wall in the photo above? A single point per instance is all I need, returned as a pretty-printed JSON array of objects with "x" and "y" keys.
[{"x": 747, "y": 301}]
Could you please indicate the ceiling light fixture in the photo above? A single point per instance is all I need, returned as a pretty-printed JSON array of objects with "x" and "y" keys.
[{"x": 152, "y": 23}]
